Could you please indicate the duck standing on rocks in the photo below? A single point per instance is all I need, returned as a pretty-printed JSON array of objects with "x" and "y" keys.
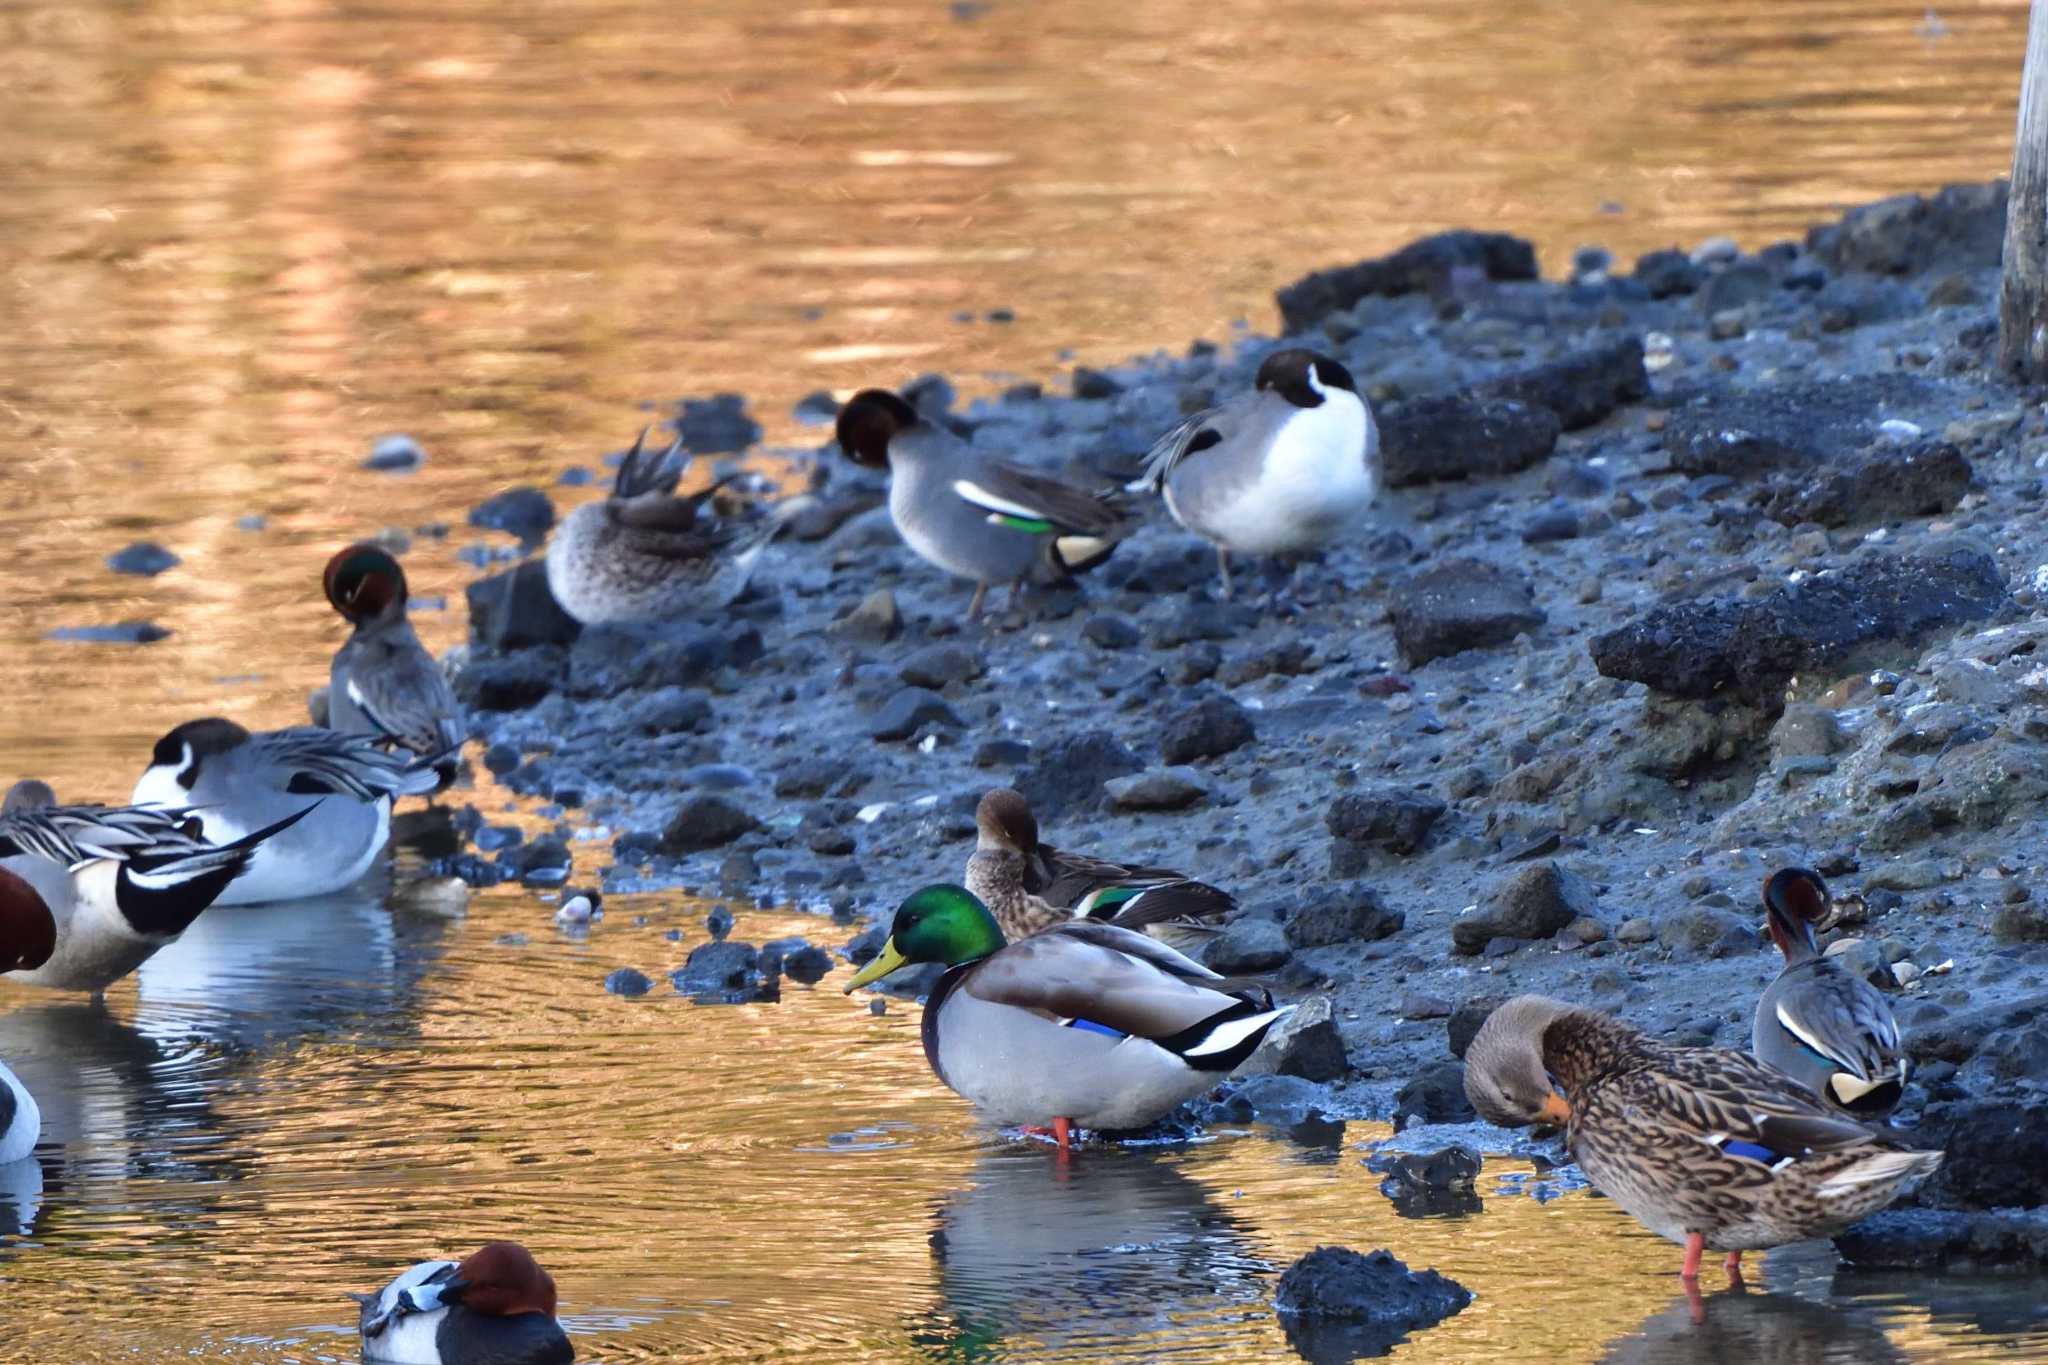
[
  {"x": 971, "y": 514},
  {"x": 1830, "y": 1031},
  {"x": 1706, "y": 1147},
  {"x": 1030, "y": 886},
  {"x": 383, "y": 682},
  {"x": 494, "y": 1307},
  {"x": 1085, "y": 1024},
  {"x": 1288, "y": 467},
  {"x": 230, "y": 781},
  {"x": 644, "y": 554},
  {"x": 21, "y": 1122},
  {"x": 89, "y": 893}
]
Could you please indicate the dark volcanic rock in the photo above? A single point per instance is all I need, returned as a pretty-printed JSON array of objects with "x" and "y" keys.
[
  {"x": 1457, "y": 605},
  {"x": 516, "y": 610},
  {"x": 727, "y": 969},
  {"x": 1947, "y": 1241},
  {"x": 628, "y": 981},
  {"x": 935, "y": 666},
  {"x": 1668, "y": 273},
  {"x": 1535, "y": 902},
  {"x": 1252, "y": 944},
  {"x": 1997, "y": 1153},
  {"x": 1307, "y": 1043},
  {"x": 1339, "y": 913},
  {"x": 717, "y": 425},
  {"x": 1212, "y": 726},
  {"x": 1462, "y": 1025},
  {"x": 1389, "y": 817},
  {"x": 1422, "y": 265},
  {"x": 874, "y": 621},
  {"x": 708, "y": 821},
  {"x": 1692, "y": 932},
  {"x": 1753, "y": 646},
  {"x": 1961, "y": 228},
  {"x": 1885, "y": 484},
  {"x": 510, "y": 682},
  {"x": 1434, "y": 1094},
  {"x": 669, "y": 711},
  {"x": 121, "y": 633},
  {"x": 1336, "y": 1305},
  {"x": 1459, "y": 436},
  {"x": 1779, "y": 426},
  {"x": 525, "y": 512},
  {"x": 144, "y": 558},
  {"x": 909, "y": 710},
  {"x": 1430, "y": 1184},
  {"x": 608, "y": 660},
  {"x": 1068, "y": 775},
  {"x": 1581, "y": 388},
  {"x": 1161, "y": 789}
]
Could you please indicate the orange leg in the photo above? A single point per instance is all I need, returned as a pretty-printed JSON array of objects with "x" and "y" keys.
[
  {"x": 1062, "y": 1132},
  {"x": 1695, "y": 1247},
  {"x": 1733, "y": 1265}
]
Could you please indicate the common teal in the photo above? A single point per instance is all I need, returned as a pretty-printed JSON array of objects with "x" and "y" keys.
[
  {"x": 383, "y": 682},
  {"x": 1830, "y": 1031}
]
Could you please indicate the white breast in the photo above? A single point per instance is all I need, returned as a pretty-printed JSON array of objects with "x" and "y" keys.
[{"x": 1316, "y": 481}]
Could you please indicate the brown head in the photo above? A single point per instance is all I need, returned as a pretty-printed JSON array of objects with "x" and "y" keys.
[
  {"x": 365, "y": 583},
  {"x": 28, "y": 932},
  {"x": 868, "y": 422},
  {"x": 1004, "y": 821},
  {"x": 1795, "y": 900},
  {"x": 500, "y": 1279},
  {"x": 1505, "y": 1075},
  {"x": 1302, "y": 376},
  {"x": 28, "y": 794}
]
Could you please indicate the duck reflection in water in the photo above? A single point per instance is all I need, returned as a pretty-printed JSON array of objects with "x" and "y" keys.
[
  {"x": 1750, "y": 1325},
  {"x": 1116, "y": 1248}
]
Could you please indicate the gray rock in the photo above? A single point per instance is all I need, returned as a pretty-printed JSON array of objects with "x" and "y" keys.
[
  {"x": 517, "y": 610},
  {"x": 1342, "y": 914},
  {"x": 1336, "y": 1305},
  {"x": 706, "y": 821},
  {"x": 1696, "y": 932},
  {"x": 1807, "y": 731},
  {"x": 1307, "y": 1044},
  {"x": 1536, "y": 902},
  {"x": 936, "y": 666},
  {"x": 144, "y": 558},
  {"x": 1997, "y": 1152},
  {"x": 2026, "y": 922},
  {"x": 1861, "y": 957},
  {"x": 874, "y": 622},
  {"x": 726, "y": 968},
  {"x": 670, "y": 711},
  {"x": 1434, "y": 1094},
  {"x": 1635, "y": 929},
  {"x": 628, "y": 982},
  {"x": 1948, "y": 1241},
  {"x": 1583, "y": 387},
  {"x": 1961, "y": 228},
  {"x": 910, "y": 710},
  {"x": 1463, "y": 1025},
  {"x": 1110, "y": 632},
  {"x": 717, "y": 425},
  {"x": 608, "y": 660},
  {"x": 1457, "y": 437},
  {"x": 395, "y": 452},
  {"x": 1667, "y": 273},
  {"x": 1886, "y": 484},
  {"x": 504, "y": 682},
  {"x": 1252, "y": 944},
  {"x": 1392, "y": 818},
  {"x": 1068, "y": 776},
  {"x": 120, "y": 633},
  {"x": 1751, "y": 647},
  {"x": 1160, "y": 789},
  {"x": 1421, "y": 265},
  {"x": 1745, "y": 432},
  {"x": 525, "y": 512},
  {"x": 1211, "y": 726},
  {"x": 1457, "y": 605}
]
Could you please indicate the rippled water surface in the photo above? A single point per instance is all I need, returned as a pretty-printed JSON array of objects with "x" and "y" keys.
[{"x": 240, "y": 240}]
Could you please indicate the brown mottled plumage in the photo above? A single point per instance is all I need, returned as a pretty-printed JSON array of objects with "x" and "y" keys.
[
  {"x": 1031, "y": 887},
  {"x": 1705, "y": 1146}
]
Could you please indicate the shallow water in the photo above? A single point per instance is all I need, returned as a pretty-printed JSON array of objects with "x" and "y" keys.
[{"x": 240, "y": 241}]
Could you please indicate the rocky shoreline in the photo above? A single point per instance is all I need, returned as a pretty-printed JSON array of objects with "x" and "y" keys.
[{"x": 1683, "y": 573}]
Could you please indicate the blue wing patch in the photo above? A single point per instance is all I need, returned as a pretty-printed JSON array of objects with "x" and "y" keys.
[{"x": 1092, "y": 1027}]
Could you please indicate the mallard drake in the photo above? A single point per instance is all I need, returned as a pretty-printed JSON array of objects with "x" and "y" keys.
[
  {"x": 494, "y": 1307},
  {"x": 1085, "y": 1024},
  {"x": 230, "y": 781},
  {"x": 88, "y": 893},
  {"x": 1706, "y": 1147},
  {"x": 1031, "y": 886},
  {"x": 644, "y": 554},
  {"x": 971, "y": 514},
  {"x": 382, "y": 681},
  {"x": 1287, "y": 467},
  {"x": 1830, "y": 1031}
]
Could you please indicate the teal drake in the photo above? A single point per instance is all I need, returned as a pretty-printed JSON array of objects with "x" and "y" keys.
[
  {"x": 1827, "y": 1029},
  {"x": 1031, "y": 886},
  {"x": 1706, "y": 1147},
  {"x": 1086, "y": 1024},
  {"x": 382, "y": 681}
]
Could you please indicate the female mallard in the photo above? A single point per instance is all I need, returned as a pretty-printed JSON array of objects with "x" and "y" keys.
[
  {"x": 1825, "y": 1028},
  {"x": 644, "y": 554},
  {"x": 1705, "y": 1146},
  {"x": 1085, "y": 1024},
  {"x": 1032, "y": 887}
]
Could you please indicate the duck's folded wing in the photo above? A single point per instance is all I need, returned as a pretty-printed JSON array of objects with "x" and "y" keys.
[
  {"x": 310, "y": 761},
  {"x": 1209, "y": 427},
  {"x": 409, "y": 701},
  {"x": 1065, "y": 976},
  {"x": 1845, "y": 1021},
  {"x": 1026, "y": 500},
  {"x": 79, "y": 834},
  {"x": 1730, "y": 1101}
]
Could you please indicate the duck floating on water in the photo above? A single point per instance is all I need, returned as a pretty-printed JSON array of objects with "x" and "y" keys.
[
  {"x": 230, "y": 781},
  {"x": 1031, "y": 886},
  {"x": 1706, "y": 1147},
  {"x": 971, "y": 514},
  {"x": 1827, "y": 1029},
  {"x": 1288, "y": 467},
  {"x": 1085, "y": 1024},
  {"x": 89, "y": 893},
  {"x": 494, "y": 1307}
]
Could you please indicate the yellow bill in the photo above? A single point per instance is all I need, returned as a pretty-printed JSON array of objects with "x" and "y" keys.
[{"x": 883, "y": 963}]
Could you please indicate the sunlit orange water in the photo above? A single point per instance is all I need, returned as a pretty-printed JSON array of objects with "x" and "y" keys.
[{"x": 240, "y": 241}]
